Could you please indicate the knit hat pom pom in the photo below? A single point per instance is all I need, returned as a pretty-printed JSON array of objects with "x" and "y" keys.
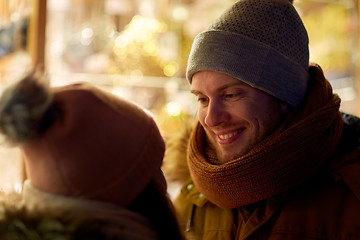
[{"x": 23, "y": 108}]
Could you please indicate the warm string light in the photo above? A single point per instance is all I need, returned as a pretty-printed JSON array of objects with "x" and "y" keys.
[{"x": 142, "y": 38}]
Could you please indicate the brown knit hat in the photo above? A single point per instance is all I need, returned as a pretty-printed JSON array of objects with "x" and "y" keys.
[
  {"x": 87, "y": 144},
  {"x": 260, "y": 42}
]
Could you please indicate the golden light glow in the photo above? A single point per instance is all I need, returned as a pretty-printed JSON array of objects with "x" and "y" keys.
[
  {"x": 173, "y": 108},
  {"x": 170, "y": 69}
]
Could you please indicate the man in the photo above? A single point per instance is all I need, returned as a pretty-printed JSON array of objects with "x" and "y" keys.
[{"x": 271, "y": 156}]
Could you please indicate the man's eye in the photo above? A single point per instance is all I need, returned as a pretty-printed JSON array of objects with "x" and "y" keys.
[
  {"x": 202, "y": 100},
  {"x": 231, "y": 95}
]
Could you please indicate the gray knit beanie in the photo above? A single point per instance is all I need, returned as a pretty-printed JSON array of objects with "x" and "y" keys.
[{"x": 260, "y": 42}]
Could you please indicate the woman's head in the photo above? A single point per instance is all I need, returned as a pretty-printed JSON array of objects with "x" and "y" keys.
[{"x": 84, "y": 142}]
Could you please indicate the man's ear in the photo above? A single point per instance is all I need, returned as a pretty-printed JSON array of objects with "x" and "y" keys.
[{"x": 285, "y": 108}]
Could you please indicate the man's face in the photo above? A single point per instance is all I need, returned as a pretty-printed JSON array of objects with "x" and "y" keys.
[{"x": 235, "y": 116}]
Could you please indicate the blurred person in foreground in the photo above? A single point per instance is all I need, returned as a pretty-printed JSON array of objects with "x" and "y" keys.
[
  {"x": 93, "y": 165},
  {"x": 271, "y": 156}
]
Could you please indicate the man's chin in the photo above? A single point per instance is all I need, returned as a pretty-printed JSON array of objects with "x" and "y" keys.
[{"x": 227, "y": 156}]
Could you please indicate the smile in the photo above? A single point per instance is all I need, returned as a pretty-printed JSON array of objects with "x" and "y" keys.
[{"x": 229, "y": 135}]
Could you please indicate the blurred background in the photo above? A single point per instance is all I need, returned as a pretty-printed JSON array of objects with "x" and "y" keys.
[{"x": 138, "y": 49}]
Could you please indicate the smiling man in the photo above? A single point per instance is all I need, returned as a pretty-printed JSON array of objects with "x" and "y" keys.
[
  {"x": 234, "y": 115},
  {"x": 271, "y": 156}
]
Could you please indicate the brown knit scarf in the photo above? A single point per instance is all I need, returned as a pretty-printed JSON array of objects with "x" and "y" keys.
[{"x": 292, "y": 154}]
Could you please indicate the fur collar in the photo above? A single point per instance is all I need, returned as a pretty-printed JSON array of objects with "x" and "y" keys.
[
  {"x": 175, "y": 166},
  {"x": 43, "y": 216}
]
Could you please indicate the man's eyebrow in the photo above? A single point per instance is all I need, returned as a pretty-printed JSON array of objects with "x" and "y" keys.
[{"x": 195, "y": 92}]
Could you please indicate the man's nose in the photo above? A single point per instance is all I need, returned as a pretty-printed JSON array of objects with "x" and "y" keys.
[{"x": 216, "y": 113}]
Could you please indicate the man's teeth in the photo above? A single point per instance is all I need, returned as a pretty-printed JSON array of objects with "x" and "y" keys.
[{"x": 227, "y": 136}]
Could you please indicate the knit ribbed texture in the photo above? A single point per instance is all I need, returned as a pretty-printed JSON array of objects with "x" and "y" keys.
[
  {"x": 288, "y": 157},
  {"x": 263, "y": 43},
  {"x": 99, "y": 147}
]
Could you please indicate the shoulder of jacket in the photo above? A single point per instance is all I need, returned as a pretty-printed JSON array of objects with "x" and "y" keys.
[
  {"x": 351, "y": 119},
  {"x": 16, "y": 220},
  {"x": 352, "y": 127},
  {"x": 347, "y": 168}
]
